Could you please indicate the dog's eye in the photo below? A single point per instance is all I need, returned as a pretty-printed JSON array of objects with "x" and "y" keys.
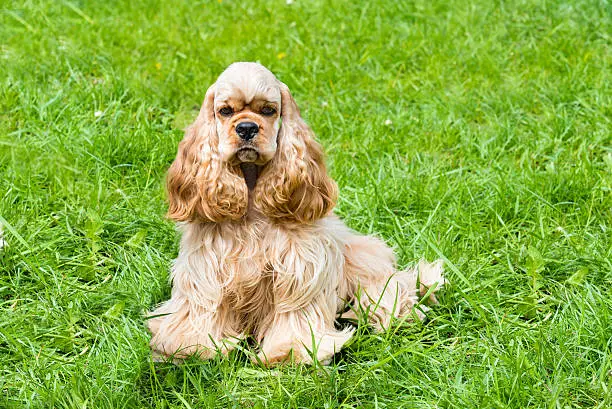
[
  {"x": 268, "y": 111},
  {"x": 226, "y": 111}
]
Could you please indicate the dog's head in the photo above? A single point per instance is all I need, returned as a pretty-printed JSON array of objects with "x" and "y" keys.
[
  {"x": 247, "y": 110},
  {"x": 249, "y": 140}
]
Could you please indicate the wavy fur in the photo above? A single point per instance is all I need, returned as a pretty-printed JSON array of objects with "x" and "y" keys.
[{"x": 199, "y": 184}]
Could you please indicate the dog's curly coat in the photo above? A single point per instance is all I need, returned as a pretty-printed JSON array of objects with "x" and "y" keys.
[{"x": 261, "y": 253}]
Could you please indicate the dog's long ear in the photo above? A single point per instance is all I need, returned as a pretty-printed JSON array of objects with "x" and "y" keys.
[
  {"x": 295, "y": 186},
  {"x": 200, "y": 186}
]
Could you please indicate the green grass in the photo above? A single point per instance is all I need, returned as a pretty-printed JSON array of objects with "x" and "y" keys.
[{"x": 497, "y": 157}]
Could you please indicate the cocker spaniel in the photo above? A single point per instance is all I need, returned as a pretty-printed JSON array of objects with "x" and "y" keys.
[{"x": 261, "y": 253}]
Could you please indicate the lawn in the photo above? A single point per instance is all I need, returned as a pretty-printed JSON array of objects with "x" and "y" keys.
[{"x": 476, "y": 132}]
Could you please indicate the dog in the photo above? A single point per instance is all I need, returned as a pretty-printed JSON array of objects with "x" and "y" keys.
[{"x": 262, "y": 255}]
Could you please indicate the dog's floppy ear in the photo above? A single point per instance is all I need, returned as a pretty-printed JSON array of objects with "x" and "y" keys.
[
  {"x": 200, "y": 186},
  {"x": 295, "y": 186}
]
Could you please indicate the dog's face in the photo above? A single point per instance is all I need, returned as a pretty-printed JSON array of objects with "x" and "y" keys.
[
  {"x": 247, "y": 108},
  {"x": 249, "y": 148}
]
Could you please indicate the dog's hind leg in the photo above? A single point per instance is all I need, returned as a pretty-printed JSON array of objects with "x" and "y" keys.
[{"x": 376, "y": 288}]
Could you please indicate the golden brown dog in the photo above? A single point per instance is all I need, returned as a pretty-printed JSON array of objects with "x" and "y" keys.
[{"x": 261, "y": 253}]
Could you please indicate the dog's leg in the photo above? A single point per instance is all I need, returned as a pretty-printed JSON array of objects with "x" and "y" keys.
[
  {"x": 196, "y": 320},
  {"x": 181, "y": 328},
  {"x": 376, "y": 287},
  {"x": 306, "y": 271},
  {"x": 301, "y": 335}
]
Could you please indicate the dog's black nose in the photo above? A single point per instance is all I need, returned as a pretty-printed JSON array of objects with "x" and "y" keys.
[{"x": 247, "y": 130}]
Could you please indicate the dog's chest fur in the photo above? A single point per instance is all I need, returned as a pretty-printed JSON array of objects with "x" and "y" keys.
[{"x": 258, "y": 266}]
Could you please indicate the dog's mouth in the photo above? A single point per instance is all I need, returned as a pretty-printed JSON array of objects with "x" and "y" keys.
[
  {"x": 247, "y": 155},
  {"x": 250, "y": 170}
]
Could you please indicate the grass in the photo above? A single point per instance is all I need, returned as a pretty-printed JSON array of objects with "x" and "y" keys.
[{"x": 472, "y": 131}]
